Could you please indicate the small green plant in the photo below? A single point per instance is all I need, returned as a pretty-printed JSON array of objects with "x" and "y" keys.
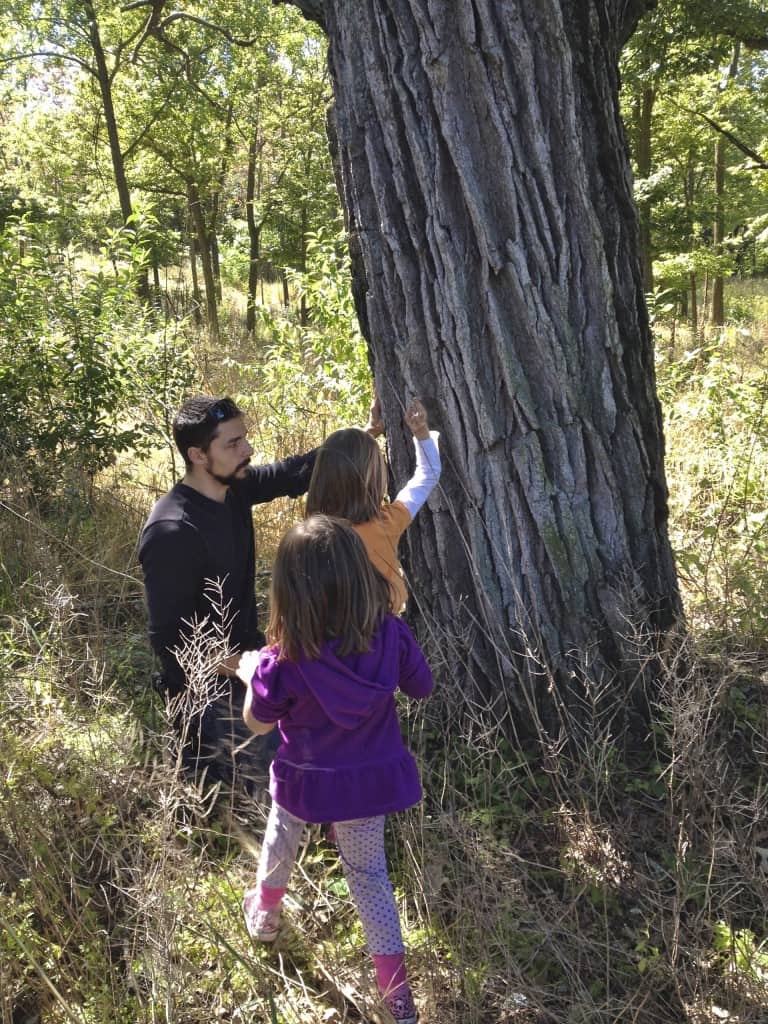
[
  {"x": 648, "y": 955},
  {"x": 741, "y": 952}
]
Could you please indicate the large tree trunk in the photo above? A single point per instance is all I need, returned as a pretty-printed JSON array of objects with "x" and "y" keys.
[{"x": 487, "y": 184}]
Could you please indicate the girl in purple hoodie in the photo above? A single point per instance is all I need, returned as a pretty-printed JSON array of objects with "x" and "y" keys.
[{"x": 328, "y": 679}]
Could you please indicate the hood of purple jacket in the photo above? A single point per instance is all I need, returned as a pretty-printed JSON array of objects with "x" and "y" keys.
[{"x": 349, "y": 688}]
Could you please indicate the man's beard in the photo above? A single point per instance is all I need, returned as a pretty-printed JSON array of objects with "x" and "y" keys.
[{"x": 227, "y": 481}]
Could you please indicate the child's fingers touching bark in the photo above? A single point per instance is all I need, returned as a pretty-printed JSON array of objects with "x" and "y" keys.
[{"x": 416, "y": 419}]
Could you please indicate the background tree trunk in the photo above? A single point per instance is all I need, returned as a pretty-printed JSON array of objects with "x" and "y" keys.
[
  {"x": 643, "y": 156},
  {"x": 487, "y": 184},
  {"x": 254, "y": 236},
  {"x": 718, "y": 232},
  {"x": 118, "y": 163},
  {"x": 690, "y": 193},
  {"x": 213, "y": 224},
  {"x": 197, "y": 297},
  {"x": 718, "y": 227},
  {"x": 206, "y": 261}
]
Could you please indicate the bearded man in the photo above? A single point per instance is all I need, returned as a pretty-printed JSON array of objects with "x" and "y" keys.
[{"x": 198, "y": 555}]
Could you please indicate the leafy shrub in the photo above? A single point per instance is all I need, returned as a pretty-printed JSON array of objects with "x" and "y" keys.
[{"x": 79, "y": 353}]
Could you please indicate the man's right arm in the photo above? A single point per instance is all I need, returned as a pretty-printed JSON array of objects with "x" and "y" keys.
[
  {"x": 171, "y": 559},
  {"x": 287, "y": 478}
]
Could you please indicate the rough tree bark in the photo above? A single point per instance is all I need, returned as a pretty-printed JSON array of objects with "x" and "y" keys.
[{"x": 486, "y": 180}]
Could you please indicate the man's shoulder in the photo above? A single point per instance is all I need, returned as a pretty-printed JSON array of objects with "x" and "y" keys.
[
  {"x": 171, "y": 534},
  {"x": 177, "y": 508}
]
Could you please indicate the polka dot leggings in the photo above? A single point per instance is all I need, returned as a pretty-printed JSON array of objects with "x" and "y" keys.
[{"x": 361, "y": 847}]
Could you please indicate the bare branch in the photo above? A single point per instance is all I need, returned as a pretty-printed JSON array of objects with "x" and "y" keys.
[
  {"x": 50, "y": 54},
  {"x": 760, "y": 162},
  {"x": 182, "y": 16}
]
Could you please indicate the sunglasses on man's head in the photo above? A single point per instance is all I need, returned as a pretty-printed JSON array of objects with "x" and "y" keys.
[{"x": 219, "y": 411}]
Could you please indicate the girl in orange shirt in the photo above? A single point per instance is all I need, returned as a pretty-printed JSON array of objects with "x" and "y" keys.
[{"x": 349, "y": 480}]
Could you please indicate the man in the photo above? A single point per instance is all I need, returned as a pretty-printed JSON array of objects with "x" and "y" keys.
[{"x": 198, "y": 555}]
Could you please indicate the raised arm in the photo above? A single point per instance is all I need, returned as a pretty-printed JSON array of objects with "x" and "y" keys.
[
  {"x": 287, "y": 478},
  {"x": 428, "y": 466}
]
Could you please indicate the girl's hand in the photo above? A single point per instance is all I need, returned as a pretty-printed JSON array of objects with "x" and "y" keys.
[
  {"x": 416, "y": 420},
  {"x": 247, "y": 666},
  {"x": 375, "y": 424}
]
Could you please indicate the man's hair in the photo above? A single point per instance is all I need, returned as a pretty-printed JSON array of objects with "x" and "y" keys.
[
  {"x": 324, "y": 587},
  {"x": 349, "y": 478},
  {"x": 197, "y": 422}
]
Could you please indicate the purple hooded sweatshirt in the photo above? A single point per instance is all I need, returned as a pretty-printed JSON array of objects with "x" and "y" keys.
[{"x": 342, "y": 755}]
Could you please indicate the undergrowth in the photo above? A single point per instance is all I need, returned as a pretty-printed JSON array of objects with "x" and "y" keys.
[{"x": 581, "y": 887}]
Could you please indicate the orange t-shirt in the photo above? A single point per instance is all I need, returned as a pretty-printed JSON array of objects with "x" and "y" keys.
[{"x": 380, "y": 536}]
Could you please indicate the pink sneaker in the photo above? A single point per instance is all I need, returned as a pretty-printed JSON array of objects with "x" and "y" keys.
[
  {"x": 262, "y": 925},
  {"x": 403, "y": 1009}
]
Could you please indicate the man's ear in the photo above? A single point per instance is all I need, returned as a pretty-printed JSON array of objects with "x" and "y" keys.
[{"x": 196, "y": 456}]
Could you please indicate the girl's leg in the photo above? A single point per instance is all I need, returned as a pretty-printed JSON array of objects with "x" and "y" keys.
[
  {"x": 261, "y": 905},
  {"x": 361, "y": 846}
]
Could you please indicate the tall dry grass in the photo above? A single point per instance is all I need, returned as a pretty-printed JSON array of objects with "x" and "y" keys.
[{"x": 555, "y": 885}]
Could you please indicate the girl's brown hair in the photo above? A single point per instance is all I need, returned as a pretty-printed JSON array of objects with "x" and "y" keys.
[
  {"x": 324, "y": 586},
  {"x": 349, "y": 478}
]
